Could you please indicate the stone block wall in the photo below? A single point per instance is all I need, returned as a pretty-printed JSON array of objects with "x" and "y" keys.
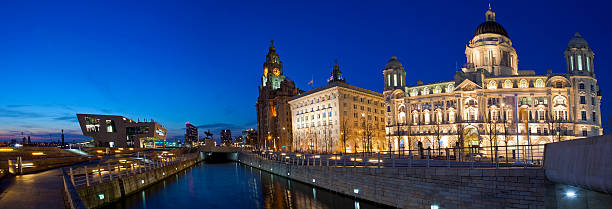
[
  {"x": 127, "y": 185},
  {"x": 421, "y": 187}
]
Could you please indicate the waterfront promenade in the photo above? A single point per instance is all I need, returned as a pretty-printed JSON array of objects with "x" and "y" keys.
[{"x": 33, "y": 191}]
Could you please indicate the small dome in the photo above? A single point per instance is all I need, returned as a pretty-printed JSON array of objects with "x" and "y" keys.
[
  {"x": 577, "y": 42},
  {"x": 394, "y": 63},
  {"x": 491, "y": 27}
]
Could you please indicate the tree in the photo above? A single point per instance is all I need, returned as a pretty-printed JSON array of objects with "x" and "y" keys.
[
  {"x": 459, "y": 129},
  {"x": 344, "y": 132},
  {"x": 491, "y": 129},
  {"x": 369, "y": 133},
  {"x": 437, "y": 136}
]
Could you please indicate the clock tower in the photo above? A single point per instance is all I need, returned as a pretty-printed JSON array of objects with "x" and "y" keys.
[
  {"x": 273, "y": 69},
  {"x": 273, "y": 111}
]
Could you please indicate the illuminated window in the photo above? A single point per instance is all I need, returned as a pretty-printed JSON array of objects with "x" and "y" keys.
[
  {"x": 588, "y": 64},
  {"x": 523, "y": 84},
  {"x": 492, "y": 85},
  {"x": 110, "y": 126},
  {"x": 571, "y": 63},
  {"x": 539, "y": 83},
  {"x": 394, "y": 79},
  {"x": 425, "y": 91},
  {"x": 437, "y": 90},
  {"x": 414, "y": 92},
  {"x": 450, "y": 88},
  {"x": 507, "y": 84},
  {"x": 579, "y": 62}
]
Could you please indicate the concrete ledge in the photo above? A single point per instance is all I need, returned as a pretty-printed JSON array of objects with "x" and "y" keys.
[{"x": 584, "y": 163}]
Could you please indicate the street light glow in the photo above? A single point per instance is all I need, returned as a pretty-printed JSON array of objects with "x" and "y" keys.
[{"x": 570, "y": 194}]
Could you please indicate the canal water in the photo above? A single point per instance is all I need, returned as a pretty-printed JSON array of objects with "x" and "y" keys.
[{"x": 232, "y": 185}]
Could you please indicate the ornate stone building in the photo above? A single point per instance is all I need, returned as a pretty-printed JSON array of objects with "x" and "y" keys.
[
  {"x": 273, "y": 112},
  {"x": 338, "y": 117},
  {"x": 491, "y": 102}
]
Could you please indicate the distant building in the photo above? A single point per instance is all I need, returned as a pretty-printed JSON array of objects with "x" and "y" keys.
[
  {"x": 119, "y": 131},
  {"x": 226, "y": 137},
  {"x": 273, "y": 112},
  {"x": 191, "y": 134},
  {"x": 250, "y": 137},
  {"x": 338, "y": 117}
]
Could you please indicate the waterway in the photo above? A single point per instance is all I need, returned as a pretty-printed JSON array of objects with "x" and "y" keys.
[{"x": 232, "y": 185}]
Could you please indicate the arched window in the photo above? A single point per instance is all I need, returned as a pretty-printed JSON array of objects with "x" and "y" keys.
[
  {"x": 523, "y": 84},
  {"x": 450, "y": 88},
  {"x": 438, "y": 116},
  {"x": 492, "y": 85},
  {"x": 559, "y": 100},
  {"x": 415, "y": 117},
  {"x": 437, "y": 90},
  {"x": 581, "y": 86},
  {"x": 451, "y": 116},
  {"x": 508, "y": 84},
  {"x": 414, "y": 93},
  {"x": 426, "y": 117},
  {"x": 425, "y": 91},
  {"x": 539, "y": 83},
  {"x": 402, "y": 114}
]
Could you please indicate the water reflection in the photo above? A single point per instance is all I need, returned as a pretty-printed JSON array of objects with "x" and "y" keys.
[{"x": 234, "y": 185}]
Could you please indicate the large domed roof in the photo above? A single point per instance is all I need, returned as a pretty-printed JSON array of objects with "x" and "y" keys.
[
  {"x": 491, "y": 27},
  {"x": 394, "y": 63}
]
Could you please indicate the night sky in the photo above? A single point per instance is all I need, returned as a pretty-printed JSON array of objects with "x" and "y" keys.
[{"x": 201, "y": 61}]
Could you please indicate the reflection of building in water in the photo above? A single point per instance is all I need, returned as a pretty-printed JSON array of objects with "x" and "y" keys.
[
  {"x": 491, "y": 102},
  {"x": 279, "y": 192},
  {"x": 119, "y": 131}
]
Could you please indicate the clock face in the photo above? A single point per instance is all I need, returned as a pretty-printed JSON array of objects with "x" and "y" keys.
[
  {"x": 266, "y": 71},
  {"x": 276, "y": 71}
]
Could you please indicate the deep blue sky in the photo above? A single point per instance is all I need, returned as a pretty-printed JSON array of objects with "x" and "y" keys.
[{"x": 201, "y": 61}]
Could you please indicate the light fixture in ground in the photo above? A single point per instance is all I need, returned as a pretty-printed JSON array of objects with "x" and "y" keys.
[
  {"x": 314, "y": 180},
  {"x": 570, "y": 194},
  {"x": 356, "y": 191},
  {"x": 435, "y": 206}
]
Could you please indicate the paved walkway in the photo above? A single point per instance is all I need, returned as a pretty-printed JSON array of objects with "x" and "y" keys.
[{"x": 32, "y": 191}]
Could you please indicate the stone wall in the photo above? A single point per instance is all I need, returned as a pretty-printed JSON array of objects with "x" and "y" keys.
[
  {"x": 99, "y": 195},
  {"x": 422, "y": 187}
]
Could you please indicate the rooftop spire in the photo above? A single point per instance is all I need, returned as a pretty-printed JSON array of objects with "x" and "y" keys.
[{"x": 490, "y": 15}]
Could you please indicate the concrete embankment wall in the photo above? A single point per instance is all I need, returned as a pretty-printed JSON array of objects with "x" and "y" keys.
[
  {"x": 582, "y": 162},
  {"x": 422, "y": 187},
  {"x": 98, "y": 195}
]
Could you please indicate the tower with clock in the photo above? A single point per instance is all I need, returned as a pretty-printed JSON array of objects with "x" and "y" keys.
[
  {"x": 273, "y": 111},
  {"x": 273, "y": 69}
]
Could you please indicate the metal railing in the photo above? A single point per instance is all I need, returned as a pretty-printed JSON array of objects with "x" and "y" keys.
[
  {"x": 88, "y": 175},
  {"x": 496, "y": 156}
]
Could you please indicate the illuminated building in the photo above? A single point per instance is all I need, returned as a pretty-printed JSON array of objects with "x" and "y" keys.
[
  {"x": 119, "y": 131},
  {"x": 191, "y": 134},
  {"x": 273, "y": 112},
  {"x": 250, "y": 137},
  {"x": 325, "y": 118},
  {"x": 491, "y": 102},
  {"x": 226, "y": 137}
]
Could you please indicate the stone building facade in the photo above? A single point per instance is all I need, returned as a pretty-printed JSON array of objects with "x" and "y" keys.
[
  {"x": 338, "y": 117},
  {"x": 491, "y": 102},
  {"x": 273, "y": 112}
]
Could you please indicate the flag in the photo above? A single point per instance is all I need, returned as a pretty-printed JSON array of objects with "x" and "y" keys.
[
  {"x": 330, "y": 78},
  {"x": 311, "y": 82}
]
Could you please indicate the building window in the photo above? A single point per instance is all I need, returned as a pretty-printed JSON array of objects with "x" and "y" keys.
[
  {"x": 584, "y": 132},
  {"x": 594, "y": 117},
  {"x": 579, "y": 62},
  {"x": 581, "y": 86},
  {"x": 588, "y": 64},
  {"x": 571, "y": 63},
  {"x": 414, "y": 92},
  {"x": 539, "y": 83},
  {"x": 593, "y": 101},
  {"x": 394, "y": 79},
  {"x": 582, "y": 100},
  {"x": 450, "y": 88},
  {"x": 559, "y": 84},
  {"x": 523, "y": 84},
  {"x": 583, "y": 115},
  {"x": 492, "y": 85},
  {"x": 592, "y": 87},
  {"x": 437, "y": 90},
  {"x": 425, "y": 91},
  {"x": 508, "y": 84}
]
